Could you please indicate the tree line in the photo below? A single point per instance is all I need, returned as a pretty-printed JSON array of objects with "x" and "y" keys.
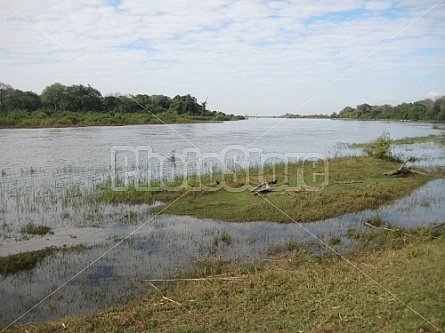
[
  {"x": 58, "y": 98},
  {"x": 427, "y": 110}
]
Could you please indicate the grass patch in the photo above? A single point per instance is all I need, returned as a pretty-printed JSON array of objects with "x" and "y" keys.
[
  {"x": 370, "y": 190},
  {"x": 26, "y": 261},
  {"x": 371, "y": 292},
  {"x": 440, "y": 139},
  {"x": 375, "y": 221},
  {"x": 374, "y": 190},
  {"x": 23, "y": 261},
  {"x": 224, "y": 237},
  {"x": 287, "y": 247},
  {"x": 33, "y": 229}
]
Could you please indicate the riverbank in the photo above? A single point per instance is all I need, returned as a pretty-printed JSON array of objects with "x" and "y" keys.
[
  {"x": 389, "y": 282},
  {"x": 85, "y": 119}
]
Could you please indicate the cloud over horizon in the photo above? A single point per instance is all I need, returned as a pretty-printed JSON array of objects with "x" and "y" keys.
[{"x": 255, "y": 57}]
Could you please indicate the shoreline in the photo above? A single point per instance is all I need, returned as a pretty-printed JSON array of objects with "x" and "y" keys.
[
  {"x": 289, "y": 287},
  {"x": 81, "y": 125}
]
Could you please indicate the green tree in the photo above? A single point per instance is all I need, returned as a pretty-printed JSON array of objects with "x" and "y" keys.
[
  {"x": 161, "y": 101},
  {"x": 386, "y": 111},
  {"x": 23, "y": 100},
  {"x": 5, "y": 91},
  {"x": 144, "y": 103},
  {"x": 417, "y": 111},
  {"x": 347, "y": 112},
  {"x": 439, "y": 108},
  {"x": 127, "y": 104},
  {"x": 110, "y": 104},
  {"x": 82, "y": 98},
  {"x": 54, "y": 95},
  {"x": 186, "y": 104},
  {"x": 363, "y": 111}
]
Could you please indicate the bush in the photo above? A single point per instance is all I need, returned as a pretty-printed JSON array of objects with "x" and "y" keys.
[
  {"x": 18, "y": 114},
  {"x": 222, "y": 118},
  {"x": 380, "y": 147},
  {"x": 39, "y": 115}
]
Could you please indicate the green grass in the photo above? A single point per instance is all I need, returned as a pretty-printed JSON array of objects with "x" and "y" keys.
[
  {"x": 374, "y": 190},
  {"x": 420, "y": 139},
  {"x": 23, "y": 261},
  {"x": 33, "y": 229},
  {"x": 375, "y": 221},
  {"x": 26, "y": 261},
  {"x": 407, "y": 141},
  {"x": 397, "y": 287}
]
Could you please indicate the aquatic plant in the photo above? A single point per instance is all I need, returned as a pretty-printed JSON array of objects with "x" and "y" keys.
[
  {"x": 23, "y": 261},
  {"x": 33, "y": 229}
]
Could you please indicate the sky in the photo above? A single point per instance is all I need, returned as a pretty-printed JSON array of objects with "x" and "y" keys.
[{"x": 249, "y": 57}]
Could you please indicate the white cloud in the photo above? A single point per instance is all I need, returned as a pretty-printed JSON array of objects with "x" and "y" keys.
[
  {"x": 377, "y": 5},
  {"x": 247, "y": 56},
  {"x": 433, "y": 95}
]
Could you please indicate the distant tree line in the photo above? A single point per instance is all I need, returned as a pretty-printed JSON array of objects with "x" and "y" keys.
[
  {"x": 58, "y": 98},
  {"x": 426, "y": 109}
]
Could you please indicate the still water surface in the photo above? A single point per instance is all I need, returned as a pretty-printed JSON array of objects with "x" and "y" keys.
[{"x": 91, "y": 146}]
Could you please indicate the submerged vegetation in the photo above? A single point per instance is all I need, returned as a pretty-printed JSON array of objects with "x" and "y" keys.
[
  {"x": 396, "y": 286},
  {"x": 33, "y": 229}
]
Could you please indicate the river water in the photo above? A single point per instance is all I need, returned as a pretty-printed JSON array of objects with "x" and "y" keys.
[
  {"x": 46, "y": 173},
  {"x": 91, "y": 146}
]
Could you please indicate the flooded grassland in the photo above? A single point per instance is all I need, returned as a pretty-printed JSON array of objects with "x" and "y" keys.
[{"x": 90, "y": 251}]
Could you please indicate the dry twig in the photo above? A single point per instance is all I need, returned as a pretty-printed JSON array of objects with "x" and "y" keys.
[
  {"x": 163, "y": 296},
  {"x": 229, "y": 278}
]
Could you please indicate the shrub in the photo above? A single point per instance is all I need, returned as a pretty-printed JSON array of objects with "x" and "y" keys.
[
  {"x": 39, "y": 115},
  {"x": 380, "y": 147}
]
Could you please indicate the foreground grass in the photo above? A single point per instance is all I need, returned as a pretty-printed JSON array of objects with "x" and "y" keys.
[
  {"x": 395, "y": 287},
  {"x": 371, "y": 189}
]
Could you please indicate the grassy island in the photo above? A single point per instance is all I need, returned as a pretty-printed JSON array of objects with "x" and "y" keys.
[{"x": 354, "y": 184}]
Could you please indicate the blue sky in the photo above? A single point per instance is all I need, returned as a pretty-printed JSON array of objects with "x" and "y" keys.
[{"x": 246, "y": 57}]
